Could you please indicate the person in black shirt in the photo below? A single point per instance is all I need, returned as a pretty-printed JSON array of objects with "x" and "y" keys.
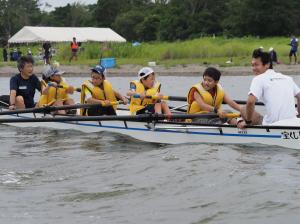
[
  {"x": 273, "y": 55},
  {"x": 23, "y": 85},
  {"x": 46, "y": 47},
  {"x": 5, "y": 54}
]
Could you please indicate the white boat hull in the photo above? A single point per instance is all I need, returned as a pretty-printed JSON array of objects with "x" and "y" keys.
[{"x": 288, "y": 137}]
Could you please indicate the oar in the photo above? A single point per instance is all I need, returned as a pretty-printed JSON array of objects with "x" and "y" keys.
[
  {"x": 77, "y": 89},
  {"x": 173, "y": 98},
  {"x": 4, "y": 103},
  {"x": 4, "y": 100},
  {"x": 140, "y": 117},
  {"x": 48, "y": 109},
  {"x": 245, "y": 102},
  {"x": 181, "y": 98}
]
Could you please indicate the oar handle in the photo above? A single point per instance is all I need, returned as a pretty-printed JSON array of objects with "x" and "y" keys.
[
  {"x": 77, "y": 89},
  {"x": 172, "y": 98},
  {"x": 147, "y": 96}
]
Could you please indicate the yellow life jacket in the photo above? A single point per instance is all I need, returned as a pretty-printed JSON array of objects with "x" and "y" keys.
[
  {"x": 107, "y": 93},
  {"x": 137, "y": 104},
  {"x": 216, "y": 101},
  {"x": 54, "y": 94}
]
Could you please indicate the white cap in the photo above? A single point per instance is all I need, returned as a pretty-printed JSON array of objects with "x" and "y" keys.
[
  {"x": 261, "y": 47},
  {"x": 271, "y": 49},
  {"x": 145, "y": 72}
]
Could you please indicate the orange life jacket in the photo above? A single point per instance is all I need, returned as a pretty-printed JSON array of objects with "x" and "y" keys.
[{"x": 74, "y": 45}]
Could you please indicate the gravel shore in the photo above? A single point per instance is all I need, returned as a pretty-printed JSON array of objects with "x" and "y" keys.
[{"x": 131, "y": 70}]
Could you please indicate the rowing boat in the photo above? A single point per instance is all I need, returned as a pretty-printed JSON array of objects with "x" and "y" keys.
[{"x": 284, "y": 133}]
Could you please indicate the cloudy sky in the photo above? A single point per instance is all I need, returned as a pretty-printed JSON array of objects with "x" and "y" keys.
[{"x": 57, "y": 3}]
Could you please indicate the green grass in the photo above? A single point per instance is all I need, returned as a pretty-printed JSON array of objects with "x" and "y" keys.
[{"x": 198, "y": 51}]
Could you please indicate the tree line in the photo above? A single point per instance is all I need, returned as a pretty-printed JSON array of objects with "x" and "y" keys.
[{"x": 162, "y": 20}]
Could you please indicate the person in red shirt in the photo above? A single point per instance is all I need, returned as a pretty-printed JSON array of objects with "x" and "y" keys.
[{"x": 74, "y": 49}]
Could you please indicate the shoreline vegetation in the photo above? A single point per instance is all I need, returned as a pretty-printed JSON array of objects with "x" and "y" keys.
[{"x": 190, "y": 57}]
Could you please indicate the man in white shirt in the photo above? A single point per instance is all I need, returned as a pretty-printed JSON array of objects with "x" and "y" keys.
[{"x": 275, "y": 90}]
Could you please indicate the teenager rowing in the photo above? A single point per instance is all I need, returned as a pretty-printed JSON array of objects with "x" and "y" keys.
[
  {"x": 275, "y": 90},
  {"x": 23, "y": 85},
  {"x": 141, "y": 91},
  {"x": 55, "y": 89},
  {"x": 99, "y": 91},
  {"x": 208, "y": 95}
]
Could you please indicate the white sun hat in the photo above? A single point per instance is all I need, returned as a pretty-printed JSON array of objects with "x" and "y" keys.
[{"x": 144, "y": 72}]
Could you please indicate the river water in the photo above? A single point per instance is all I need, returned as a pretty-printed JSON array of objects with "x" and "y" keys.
[{"x": 50, "y": 176}]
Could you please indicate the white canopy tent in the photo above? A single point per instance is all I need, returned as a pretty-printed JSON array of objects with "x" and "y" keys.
[{"x": 32, "y": 34}]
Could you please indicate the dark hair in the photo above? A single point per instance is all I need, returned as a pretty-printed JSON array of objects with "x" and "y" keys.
[
  {"x": 265, "y": 57},
  {"x": 101, "y": 74},
  {"x": 214, "y": 73},
  {"x": 146, "y": 77},
  {"x": 23, "y": 60},
  {"x": 46, "y": 79}
]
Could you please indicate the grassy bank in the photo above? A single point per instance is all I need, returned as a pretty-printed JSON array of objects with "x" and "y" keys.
[{"x": 198, "y": 51}]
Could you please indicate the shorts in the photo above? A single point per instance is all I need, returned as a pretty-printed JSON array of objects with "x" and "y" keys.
[
  {"x": 210, "y": 120},
  {"x": 74, "y": 50},
  {"x": 293, "y": 53},
  {"x": 100, "y": 110},
  {"x": 47, "y": 55},
  {"x": 149, "y": 109},
  {"x": 259, "y": 120},
  {"x": 216, "y": 120}
]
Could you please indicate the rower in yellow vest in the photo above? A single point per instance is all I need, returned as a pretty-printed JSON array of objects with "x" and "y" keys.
[
  {"x": 55, "y": 90},
  {"x": 141, "y": 91},
  {"x": 100, "y": 91},
  {"x": 208, "y": 96}
]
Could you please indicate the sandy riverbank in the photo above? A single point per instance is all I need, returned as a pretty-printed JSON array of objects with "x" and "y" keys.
[{"x": 131, "y": 70}]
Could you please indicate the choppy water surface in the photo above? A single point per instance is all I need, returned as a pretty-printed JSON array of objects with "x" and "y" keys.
[{"x": 50, "y": 176}]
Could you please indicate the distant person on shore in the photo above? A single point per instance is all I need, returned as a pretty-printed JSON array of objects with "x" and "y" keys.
[
  {"x": 14, "y": 55},
  {"x": 100, "y": 92},
  {"x": 74, "y": 49},
  {"x": 207, "y": 96},
  {"x": 275, "y": 90},
  {"x": 5, "y": 54},
  {"x": 23, "y": 85},
  {"x": 294, "y": 49},
  {"x": 47, "y": 52},
  {"x": 20, "y": 53},
  {"x": 146, "y": 86},
  {"x": 29, "y": 52},
  {"x": 273, "y": 55}
]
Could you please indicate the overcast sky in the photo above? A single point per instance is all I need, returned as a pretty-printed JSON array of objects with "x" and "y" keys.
[{"x": 57, "y": 3}]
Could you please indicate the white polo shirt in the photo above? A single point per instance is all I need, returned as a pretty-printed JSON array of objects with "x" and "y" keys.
[{"x": 277, "y": 92}]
